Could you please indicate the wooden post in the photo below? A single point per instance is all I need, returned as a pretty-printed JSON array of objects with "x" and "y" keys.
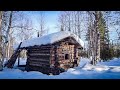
[
  {"x": 74, "y": 51},
  {"x": 13, "y": 58},
  {"x": 55, "y": 48},
  {"x": 18, "y": 60}
]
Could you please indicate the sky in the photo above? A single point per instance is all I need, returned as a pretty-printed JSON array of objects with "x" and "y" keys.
[{"x": 51, "y": 19}]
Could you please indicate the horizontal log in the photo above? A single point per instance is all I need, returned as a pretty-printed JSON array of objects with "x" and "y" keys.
[
  {"x": 30, "y": 61},
  {"x": 32, "y": 64},
  {"x": 37, "y": 46},
  {"x": 42, "y": 62},
  {"x": 39, "y": 59},
  {"x": 39, "y": 51},
  {"x": 48, "y": 46},
  {"x": 39, "y": 54},
  {"x": 38, "y": 64},
  {"x": 41, "y": 47}
]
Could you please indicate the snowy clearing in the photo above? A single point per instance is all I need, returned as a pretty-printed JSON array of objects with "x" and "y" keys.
[{"x": 103, "y": 70}]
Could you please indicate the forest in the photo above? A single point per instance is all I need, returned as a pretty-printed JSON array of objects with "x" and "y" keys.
[{"x": 98, "y": 29}]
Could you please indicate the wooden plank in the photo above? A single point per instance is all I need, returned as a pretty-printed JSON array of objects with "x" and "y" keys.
[
  {"x": 41, "y": 46},
  {"x": 39, "y": 54},
  {"x": 38, "y": 63},
  {"x": 13, "y": 58},
  {"x": 36, "y": 47},
  {"x": 32, "y": 64},
  {"x": 40, "y": 51},
  {"x": 55, "y": 53},
  {"x": 39, "y": 59},
  {"x": 42, "y": 62},
  {"x": 18, "y": 59}
]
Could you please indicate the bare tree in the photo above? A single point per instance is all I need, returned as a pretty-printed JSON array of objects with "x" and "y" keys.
[
  {"x": 0, "y": 33},
  {"x": 4, "y": 32},
  {"x": 89, "y": 35},
  {"x": 94, "y": 36},
  {"x": 24, "y": 29},
  {"x": 61, "y": 20},
  {"x": 8, "y": 35},
  {"x": 117, "y": 22},
  {"x": 7, "y": 32},
  {"x": 6, "y": 29},
  {"x": 71, "y": 21},
  {"x": 12, "y": 27},
  {"x": 42, "y": 24},
  {"x": 78, "y": 24},
  {"x": 1, "y": 40}
]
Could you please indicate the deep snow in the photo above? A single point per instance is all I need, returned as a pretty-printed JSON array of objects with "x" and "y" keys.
[
  {"x": 103, "y": 70},
  {"x": 51, "y": 38}
]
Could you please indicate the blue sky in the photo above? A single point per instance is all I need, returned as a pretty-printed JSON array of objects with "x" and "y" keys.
[{"x": 51, "y": 18}]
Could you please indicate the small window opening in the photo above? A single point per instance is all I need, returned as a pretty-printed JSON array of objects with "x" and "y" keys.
[{"x": 66, "y": 56}]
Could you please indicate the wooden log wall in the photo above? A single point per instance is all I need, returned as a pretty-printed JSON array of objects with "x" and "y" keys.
[
  {"x": 47, "y": 55},
  {"x": 61, "y": 50},
  {"x": 39, "y": 56}
]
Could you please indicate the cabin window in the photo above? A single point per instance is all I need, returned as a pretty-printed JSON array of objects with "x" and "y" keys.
[{"x": 66, "y": 56}]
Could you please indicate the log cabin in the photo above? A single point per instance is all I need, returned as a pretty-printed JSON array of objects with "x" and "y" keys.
[{"x": 56, "y": 50}]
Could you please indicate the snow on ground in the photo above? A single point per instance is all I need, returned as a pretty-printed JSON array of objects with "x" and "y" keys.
[
  {"x": 103, "y": 70},
  {"x": 114, "y": 62}
]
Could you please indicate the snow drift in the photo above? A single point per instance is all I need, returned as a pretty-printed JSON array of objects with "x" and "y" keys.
[{"x": 103, "y": 70}]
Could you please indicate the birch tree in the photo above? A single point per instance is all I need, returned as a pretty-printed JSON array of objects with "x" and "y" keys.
[
  {"x": 25, "y": 30},
  {"x": 43, "y": 28},
  {"x": 0, "y": 34},
  {"x": 1, "y": 13},
  {"x": 71, "y": 21},
  {"x": 7, "y": 33},
  {"x": 61, "y": 21},
  {"x": 94, "y": 35}
]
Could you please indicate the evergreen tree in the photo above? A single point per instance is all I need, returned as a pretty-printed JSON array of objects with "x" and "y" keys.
[
  {"x": 98, "y": 37},
  {"x": 105, "y": 51}
]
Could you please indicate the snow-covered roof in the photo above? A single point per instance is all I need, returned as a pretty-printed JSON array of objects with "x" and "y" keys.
[{"x": 51, "y": 38}]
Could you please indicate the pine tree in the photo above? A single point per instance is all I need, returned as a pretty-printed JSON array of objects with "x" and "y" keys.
[
  {"x": 98, "y": 37},
  {"x": 105, "y": 51}
]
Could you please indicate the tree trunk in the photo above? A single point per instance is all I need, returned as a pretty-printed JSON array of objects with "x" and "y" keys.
[
  {"x": 97, "y": 37},
  {"x": 79, "y": 32},
  {"x": 8, "y": 35},
  {"x": 94, "y": 41},
  {"x": 1, "y": 62}
]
